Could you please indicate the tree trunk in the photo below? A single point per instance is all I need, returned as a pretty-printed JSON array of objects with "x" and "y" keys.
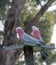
[
  {"x": 12, "y": 20},
  {"x": 29, "y": 58}
]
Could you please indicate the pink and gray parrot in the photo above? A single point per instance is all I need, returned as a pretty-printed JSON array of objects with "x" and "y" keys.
[
  {"x": 37, "y": 34},
  {"x": 25, "y": 38}
]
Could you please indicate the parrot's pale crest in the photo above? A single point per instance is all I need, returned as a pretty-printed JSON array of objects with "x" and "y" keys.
[
  {"x": 35, "y": 28},
  {"x": 19, "y": 31},
  {"x": 36, "y": 32}
]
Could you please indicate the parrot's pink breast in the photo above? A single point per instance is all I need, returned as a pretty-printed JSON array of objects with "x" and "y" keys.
[
  {"x": 37, "y": 34},
  {"x": 20, "y": 33}
]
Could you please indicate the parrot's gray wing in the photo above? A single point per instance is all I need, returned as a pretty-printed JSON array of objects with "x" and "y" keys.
[
  {"x": 41, "y": 40},
  {"x": 30, "y": 39}
]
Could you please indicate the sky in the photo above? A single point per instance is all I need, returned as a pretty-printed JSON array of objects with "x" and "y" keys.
[
  {"x": 1, "y": 26},
  {"x": 53, "y": 39},
  {"x": 52, "y": 8}
]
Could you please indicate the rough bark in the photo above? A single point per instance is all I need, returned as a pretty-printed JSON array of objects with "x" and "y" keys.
[
  {"x": 12, "y": 20},
  {"x": 29, "y": 58}
]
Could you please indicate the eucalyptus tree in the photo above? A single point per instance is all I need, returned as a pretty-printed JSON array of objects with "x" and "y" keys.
[{"x": 13, "y": 20}]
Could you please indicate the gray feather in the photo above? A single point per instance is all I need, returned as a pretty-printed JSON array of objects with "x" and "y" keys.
[{"x": 30, "y": 39}]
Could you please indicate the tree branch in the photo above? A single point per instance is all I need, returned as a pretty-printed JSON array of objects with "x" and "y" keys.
[{"x": 35, "y": 20}]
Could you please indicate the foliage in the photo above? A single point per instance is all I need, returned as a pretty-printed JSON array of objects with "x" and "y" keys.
[
  {"x": 45, "y": 1},
  {"x": 39, "y": 2},
  {"x": 54, "y": 13},
  {"x": 32, "y": 3},
  {"x": 29, "y": 11},
  {"x": 3, "y": 4},
  {"x": 46, "y": 26},
  {"x": 1, "y": 33},
  {"x": 51, "y": 58},
  {"x": 21, "y": 63}
]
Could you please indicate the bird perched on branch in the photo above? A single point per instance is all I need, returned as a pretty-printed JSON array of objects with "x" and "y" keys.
[
  {"x": 37, "y": 34},
  {"x": 25, "y": 38}
]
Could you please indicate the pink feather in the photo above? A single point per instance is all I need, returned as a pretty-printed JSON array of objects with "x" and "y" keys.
[{"x": 37, "y": 34}]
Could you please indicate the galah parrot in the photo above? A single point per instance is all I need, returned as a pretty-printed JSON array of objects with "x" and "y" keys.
[
  {"x": 37, "y": 34},
  {"x": 25, "y": 38}
]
